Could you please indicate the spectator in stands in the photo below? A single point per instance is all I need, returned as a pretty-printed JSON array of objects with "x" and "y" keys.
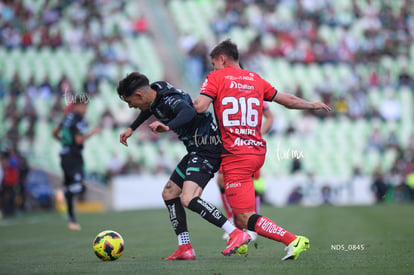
[
  {"x": 379, "y": 186},
  {"x": 392, "y": 141},
  {"x": 197, "y": 63},
  {"x": 163, "y": 164},
  {"x": 50, "y": 14},
  {"x": 375, "y": 141},
  {"x": 341, "y": 105},
  {"x": 326, "y": 194},
  {"x": 91, "y": 84},
  {"x": 16, "y": 85},
  {"x": 108, "y": 120},
  {"x": 114, "y": 166},
  {"x": 390, "y": 108},
  {"x": 45, "y": 88},
  {"x": 9, "y": 183},
  {"x": 101, "y": 67},
  {"x": 140, "y": 26},
  {"x": 24, "y": 170},
  {"x": 29, "y": 111},
  {"x": 74, "y": 35},
  {"x": 55, "y": 38},
  {"x": 295, "y": 196},
  {"x": 11, "y": 108},
  {"x": 410, "y": 144},
  {"x": 27, "y": 39},
  {"x": 405, "y": 79},
  {"x": 56, "y": 110},
  {"x": 10, "y": 36},
  {"x": 64, "y": 86},
  {"x": 45, "y": 39},
  {"x": 2, "y": 157},
  {"x": 296, "y": 165},
  {"x": 3, "y": 89},
  {"x": 31, "y": 88},
  {"x": 408, "y": 176},
  {"x": 357, "y": 104},
  {"x": 13, "y": 135},
  {"x": 132, "y": 166}
]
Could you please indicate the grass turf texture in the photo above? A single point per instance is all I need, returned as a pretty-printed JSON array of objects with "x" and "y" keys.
[{"x": 42, "y": 244}]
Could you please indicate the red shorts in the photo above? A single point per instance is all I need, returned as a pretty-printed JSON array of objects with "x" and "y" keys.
[{"x": 238, "y": 171}]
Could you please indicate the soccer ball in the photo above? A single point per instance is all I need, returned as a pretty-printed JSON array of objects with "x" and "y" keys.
[
  {"x": 108, "y": 245},
  {"x": 243, "y": 250}
]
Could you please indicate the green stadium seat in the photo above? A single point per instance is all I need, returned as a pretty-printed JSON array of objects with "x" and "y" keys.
[{"x": 179, "y": 12}]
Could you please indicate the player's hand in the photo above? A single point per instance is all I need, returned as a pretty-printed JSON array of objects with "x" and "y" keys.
[
  {"x": 159, "y": 127},
  {"x": 125, "y": 135},
  {"x": 321, "y": 105}
]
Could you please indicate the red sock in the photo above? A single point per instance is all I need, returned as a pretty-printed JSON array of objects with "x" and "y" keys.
[
  {"x": 267, "y": 228},
  {"x": 227, "y": 207}
]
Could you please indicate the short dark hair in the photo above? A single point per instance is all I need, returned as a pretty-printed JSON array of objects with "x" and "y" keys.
[
  {"x": 227, "y": 48},
  {"x": 131, "y": 83}
]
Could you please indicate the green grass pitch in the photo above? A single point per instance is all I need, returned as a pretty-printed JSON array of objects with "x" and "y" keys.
[{"x": 344, "y": 240}]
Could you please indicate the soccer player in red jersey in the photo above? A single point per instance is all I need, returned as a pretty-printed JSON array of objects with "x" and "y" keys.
[
  {"x": 268, "y": 122},
  {"x": 237, "y": 96}
]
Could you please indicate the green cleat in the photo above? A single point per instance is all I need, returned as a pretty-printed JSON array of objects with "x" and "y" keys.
[{"x": 296, "y": 247}]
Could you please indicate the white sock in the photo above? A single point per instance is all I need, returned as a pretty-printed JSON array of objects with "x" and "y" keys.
[
  {"x": 183, "y": 238},
  {"x": 228, "y": 227}
]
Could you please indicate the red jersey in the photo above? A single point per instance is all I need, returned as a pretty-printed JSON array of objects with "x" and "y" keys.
[{"x": 238, "y": 103}]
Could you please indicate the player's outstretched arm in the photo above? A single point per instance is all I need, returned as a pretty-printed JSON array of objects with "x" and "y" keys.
[
  {"x": 125, "y": 135},
  {"x": 143, "y": 116},
  {"x": 294, "y": 102},
  {"x": 79, "y": 139}
]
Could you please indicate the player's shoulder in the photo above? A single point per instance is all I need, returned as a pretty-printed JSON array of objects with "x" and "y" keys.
[
  {"x": 252, "y": 75},
  {"x": 217, "y": 73}
]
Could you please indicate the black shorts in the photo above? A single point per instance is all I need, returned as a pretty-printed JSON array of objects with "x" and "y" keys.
[
  {"x": 72, "y": 166},
  {"x": 196, "y": 167}
]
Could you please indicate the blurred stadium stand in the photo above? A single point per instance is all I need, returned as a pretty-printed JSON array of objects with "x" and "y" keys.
[{"x": 361, "y": 52}]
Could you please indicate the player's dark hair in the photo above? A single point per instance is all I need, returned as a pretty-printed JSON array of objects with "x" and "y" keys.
[
  {"x": 227, "y": 48},
  {"x": 131, "y": 83}
]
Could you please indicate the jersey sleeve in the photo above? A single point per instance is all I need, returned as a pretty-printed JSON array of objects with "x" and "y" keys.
[
  {"x": 209, "y": 87},
  {"x": 270, "y": 92},
  {"x": 183, "y": 112},
  {"x": 143, "y": 116}
]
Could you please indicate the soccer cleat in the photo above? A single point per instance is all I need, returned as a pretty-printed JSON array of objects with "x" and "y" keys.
[
  {"x": 237, "y": 239},
  {"x": 184, "y": 252},
  {"x": 296, "y": 247},
  {"x": 74, "y": 226}
]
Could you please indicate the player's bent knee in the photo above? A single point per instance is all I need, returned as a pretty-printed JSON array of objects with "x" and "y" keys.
[{"x": 170, "y": 191}]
